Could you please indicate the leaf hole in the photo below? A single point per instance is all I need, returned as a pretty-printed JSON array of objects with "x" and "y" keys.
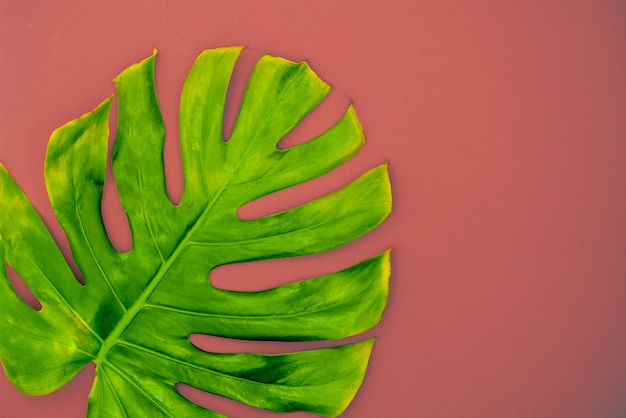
[
  {"x": 236, "y": 89},
  {"x": 297, "y": 195},
  {"x": 173, "y": 164},
  {"x": 22, "y": 289},
  {"x": 74, "y": 267},
  {"x": 256, "y": 276},
  {"x": 317, "y": 121},
  {"x": 113, "y": 216},
  {"x": 168, "y": 80}
]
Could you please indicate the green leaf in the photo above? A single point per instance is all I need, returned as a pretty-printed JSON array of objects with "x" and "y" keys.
[{"x": 134, "y": 316}]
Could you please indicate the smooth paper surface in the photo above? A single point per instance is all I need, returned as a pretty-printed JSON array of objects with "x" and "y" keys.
[{"x": 504, "y": 126}]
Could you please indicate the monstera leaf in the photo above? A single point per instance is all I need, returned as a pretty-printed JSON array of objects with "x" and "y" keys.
[{"x": 137, "y": 309}]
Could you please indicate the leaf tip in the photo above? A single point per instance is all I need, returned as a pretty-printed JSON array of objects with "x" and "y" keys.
[
  {"x": 354, "y": 120},
  {"x": 382, "y": 172},
  {"x": 137, "y": 66},
  {"x": 89, "y": 132}
]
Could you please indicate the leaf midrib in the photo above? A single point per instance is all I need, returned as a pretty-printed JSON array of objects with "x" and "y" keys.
[
  {"x": 140, "y": 302},
  {"x": 248, "y": 316}
]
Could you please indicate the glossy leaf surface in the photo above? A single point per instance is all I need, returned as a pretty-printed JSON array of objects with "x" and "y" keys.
[{"x": 134, "y": 316}]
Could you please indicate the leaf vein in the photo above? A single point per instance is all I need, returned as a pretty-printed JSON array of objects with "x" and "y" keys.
[
  {"x": 65, "y": 302},
  {"x": 148, "y": 223},
  {"x": 216, "y": 315},
  {"x": 126, "y": 377},
  {"x": 114, "y": 392}
]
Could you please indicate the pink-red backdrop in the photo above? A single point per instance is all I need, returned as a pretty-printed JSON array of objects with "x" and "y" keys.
[{"x": 505, "y": 125}]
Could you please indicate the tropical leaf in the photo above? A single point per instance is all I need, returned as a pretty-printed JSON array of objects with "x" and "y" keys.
[{"x": 137, "y": 309}]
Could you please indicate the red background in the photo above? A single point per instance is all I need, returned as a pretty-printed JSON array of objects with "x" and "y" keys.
[{"x": 505, "y": 126}]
